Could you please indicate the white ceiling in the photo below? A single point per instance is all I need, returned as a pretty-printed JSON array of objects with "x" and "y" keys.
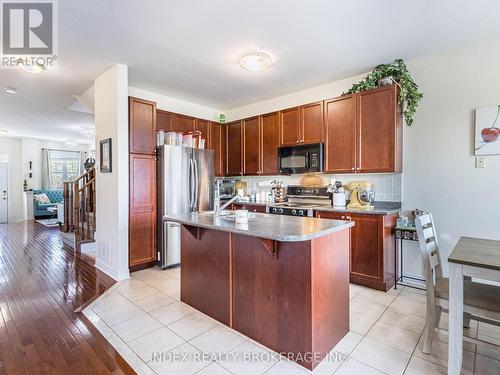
[{"x": 190, "y": 49}]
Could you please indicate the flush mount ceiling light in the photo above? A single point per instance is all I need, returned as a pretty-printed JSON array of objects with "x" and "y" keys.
[
  {"x": 10, "y": 90},
  {"x": 255, "y": 61}
]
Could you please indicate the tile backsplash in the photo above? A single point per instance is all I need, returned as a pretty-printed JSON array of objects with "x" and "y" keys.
[{"x": 388, "y": 187}]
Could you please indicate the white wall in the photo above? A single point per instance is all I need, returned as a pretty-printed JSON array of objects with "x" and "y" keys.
[
  {"x": 111, "y": 121},
  {"x": 170, "y": 104},
  {"x": 439, "y": 174}
]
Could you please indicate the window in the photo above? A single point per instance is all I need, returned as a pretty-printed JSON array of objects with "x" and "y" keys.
[{"x": 63, "y": 166}]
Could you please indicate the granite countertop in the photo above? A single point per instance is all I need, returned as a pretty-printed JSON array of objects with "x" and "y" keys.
[
  {"x": 273, "y": 227},
  {"x": 380, "y": 208}
]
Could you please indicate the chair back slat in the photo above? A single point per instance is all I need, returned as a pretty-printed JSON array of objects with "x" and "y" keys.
[{"x": 429, "y": 249}]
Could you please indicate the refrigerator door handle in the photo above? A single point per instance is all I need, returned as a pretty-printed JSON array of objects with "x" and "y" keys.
[
  {"x": 196, "y": 184},
  {"x": 191, "y": 183}
]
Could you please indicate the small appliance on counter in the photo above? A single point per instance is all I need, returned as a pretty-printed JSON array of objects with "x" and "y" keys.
[
  {"x": 362, "y": 195},
  {"x": 227, "y": 188}
]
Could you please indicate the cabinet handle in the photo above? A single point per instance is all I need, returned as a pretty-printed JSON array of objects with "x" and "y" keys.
[
  {"x": 353, "y": 168},
  {"x": 298, "y": 141}
]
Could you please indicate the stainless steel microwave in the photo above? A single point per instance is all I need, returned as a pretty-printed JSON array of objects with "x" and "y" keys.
[{"x": 301, "y": 159}]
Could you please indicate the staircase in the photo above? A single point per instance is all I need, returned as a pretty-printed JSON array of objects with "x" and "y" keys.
[{"x": 79, "y": 208}]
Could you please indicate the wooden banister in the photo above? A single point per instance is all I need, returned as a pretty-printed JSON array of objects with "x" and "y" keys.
[{"x": 79, "y": 207}]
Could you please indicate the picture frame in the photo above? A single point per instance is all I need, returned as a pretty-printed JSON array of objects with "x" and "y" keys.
[
  {"x": 105, "y": 165},
  {"x": 487, "y": 131}
]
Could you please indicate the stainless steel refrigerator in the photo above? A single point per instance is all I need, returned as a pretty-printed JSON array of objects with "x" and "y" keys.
[{"x": 185, "y": 184}]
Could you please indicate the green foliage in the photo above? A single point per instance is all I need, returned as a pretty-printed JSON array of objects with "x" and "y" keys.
[{"x": 408, "y": 89}]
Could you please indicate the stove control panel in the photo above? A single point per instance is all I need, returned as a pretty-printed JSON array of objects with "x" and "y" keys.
[
  {"x": 306, "y": 191},
  {"x": 291, "y": 211}
]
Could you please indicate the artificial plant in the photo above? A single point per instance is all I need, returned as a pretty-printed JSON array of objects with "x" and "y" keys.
[{"x": 409, "y": 95}]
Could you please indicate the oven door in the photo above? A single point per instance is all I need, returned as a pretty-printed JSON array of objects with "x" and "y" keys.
[{"x": 301, "y": 159}]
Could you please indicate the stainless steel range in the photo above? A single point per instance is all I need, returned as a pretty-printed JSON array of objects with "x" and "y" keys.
[{"x": 302, "y": 200}]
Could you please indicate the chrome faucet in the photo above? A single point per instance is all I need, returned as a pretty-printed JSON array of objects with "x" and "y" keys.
[{"x": 217, "y": 207}]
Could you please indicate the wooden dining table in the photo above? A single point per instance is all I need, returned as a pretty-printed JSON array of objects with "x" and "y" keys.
[{"x": 477, "y": 258}]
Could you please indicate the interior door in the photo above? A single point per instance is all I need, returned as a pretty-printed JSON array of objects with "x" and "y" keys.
[{"x": 4, "y": 212}]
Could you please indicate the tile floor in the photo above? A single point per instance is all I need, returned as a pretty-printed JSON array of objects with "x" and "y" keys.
[{"x": 143, "y": 315}]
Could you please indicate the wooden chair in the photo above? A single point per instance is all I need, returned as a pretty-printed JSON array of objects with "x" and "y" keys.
[{"x": 481, "y": 301}]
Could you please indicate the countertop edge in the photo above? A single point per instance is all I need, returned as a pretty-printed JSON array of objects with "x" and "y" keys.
[{"x": 287, "y": 238}]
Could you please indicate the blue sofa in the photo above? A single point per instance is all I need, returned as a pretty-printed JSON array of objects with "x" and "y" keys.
[{"x": 40, "y": 210}]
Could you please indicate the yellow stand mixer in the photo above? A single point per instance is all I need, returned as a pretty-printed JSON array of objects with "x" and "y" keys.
[{"x": 362, "y": 195}]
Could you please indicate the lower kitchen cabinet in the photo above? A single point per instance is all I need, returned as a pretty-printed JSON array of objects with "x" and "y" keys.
[{"x": 372, "y": 258}]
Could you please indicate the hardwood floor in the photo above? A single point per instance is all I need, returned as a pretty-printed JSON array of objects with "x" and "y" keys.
[{"x": 42, "y": 283}]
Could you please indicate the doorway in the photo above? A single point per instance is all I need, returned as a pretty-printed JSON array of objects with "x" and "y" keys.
[{"x": 4, "y": 202}]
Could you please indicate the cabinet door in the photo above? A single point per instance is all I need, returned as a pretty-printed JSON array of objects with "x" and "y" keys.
[
  {"x": 251, "y": 146},
  {"x": 290, "y": 131},
  {"x": 233, "y": 149},
  {"x": 203, "y": 127},
  {"x": 142, "y": 222},
  {"x": 164, "y": 121},
  {"x": 142, "y": 126},
  {"x": 218, "y": 144},
  {"x": 312, "y": 123},
  {"x": 340, "y": 135},
  {"x": 270, "y": 125},
  {"x": 377, "y": 126},
  {"x": 366, "y": 251},
  {"x": 184, "y": 124}
]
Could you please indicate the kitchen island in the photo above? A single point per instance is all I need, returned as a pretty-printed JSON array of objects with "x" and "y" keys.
[{"x": 282, "y": 281}]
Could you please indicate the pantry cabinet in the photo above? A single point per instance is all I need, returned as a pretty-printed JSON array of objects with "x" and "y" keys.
[
  {"x": 372, "y": 254},
  {"x": 142, "y": 126},
  {"x": 363, "y": 132}
]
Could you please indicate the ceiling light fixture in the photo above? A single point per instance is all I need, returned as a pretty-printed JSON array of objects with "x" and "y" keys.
[
  {"x": 255, "y": 61},
  {"x": 10, "y": 90}
]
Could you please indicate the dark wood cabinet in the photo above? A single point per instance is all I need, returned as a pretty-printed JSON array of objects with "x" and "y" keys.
[
  {"x": 142, "y": 210},
  {"x": 183, "y": 124},
  {"x": 142, "y": 126},
  {"x": 312, "y": 123},
  {"x": 372, "y": 259},
  {"x": 340, "y": 135},
  {"x": 302, "y": 125},
  {"x": 142, "y": 183},
  {"x": 379, "y": 131},
  {"x": 251, "y": 135},
  {"x": 290, "y": 131},
  {"x": 217, "y": 142},
  {"x": 270, "y": 130},
  {"x": 363, "y": 132},
  {"x": 203, "y": 126},
  {"x": 233, "y": 149},
  {"x": 164, "y": 120}
]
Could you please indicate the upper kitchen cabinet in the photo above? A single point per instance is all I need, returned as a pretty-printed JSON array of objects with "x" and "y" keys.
[
  {"x": 183, "y": 124},
  {"x": 302, "y": 125},
  {"x": 270, "y": 141},
  {"x": 233, "y": 149},
  {"x": 379, "y": 132},
  {"x": 142, "y": 126},
  {"x": 311, "y": 118},
  {"x": 340, "y": 135},
  {"x": 290, "y": 132},
  {"x": 203, "y": 127},
  {"x": 218, "y": 144},
  {"x": 363, "y": 132},
  {"x": 164, "y": 120},
  {"x": 251, "y": 133}
]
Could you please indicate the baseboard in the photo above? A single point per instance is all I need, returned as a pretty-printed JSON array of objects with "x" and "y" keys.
[{"x": 109, "y": 271}]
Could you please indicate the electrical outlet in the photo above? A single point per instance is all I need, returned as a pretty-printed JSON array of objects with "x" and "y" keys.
[{"x": 479, "y": 161}]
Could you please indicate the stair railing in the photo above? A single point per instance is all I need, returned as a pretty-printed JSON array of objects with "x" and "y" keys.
[{"x": 79, "y": 206}]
